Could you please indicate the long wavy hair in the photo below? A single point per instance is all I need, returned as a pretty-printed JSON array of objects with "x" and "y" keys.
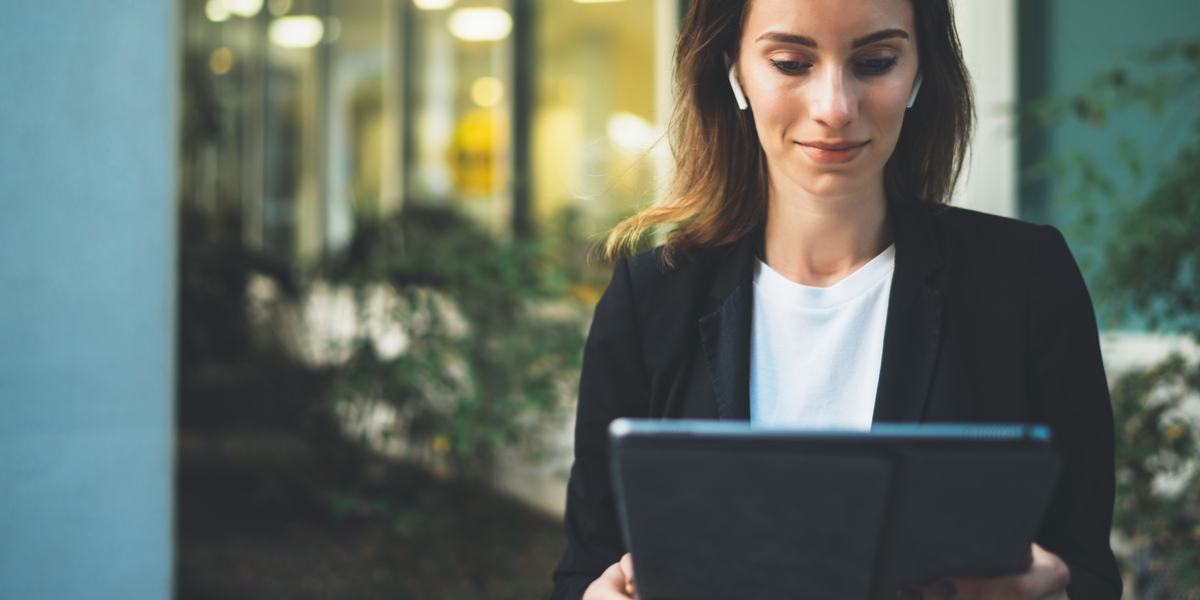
[{"x": 719, "y": 191}]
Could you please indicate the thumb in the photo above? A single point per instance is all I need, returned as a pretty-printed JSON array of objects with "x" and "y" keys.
[{"x": 627, "y": 569}]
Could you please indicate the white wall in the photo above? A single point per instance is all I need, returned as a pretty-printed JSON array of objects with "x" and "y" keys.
[
  {"x": 988, "y": 31},
  {"x": 87, "y": 247}
]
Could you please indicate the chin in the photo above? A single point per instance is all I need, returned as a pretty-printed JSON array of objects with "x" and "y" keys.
[{"x": 833, "y": 184}]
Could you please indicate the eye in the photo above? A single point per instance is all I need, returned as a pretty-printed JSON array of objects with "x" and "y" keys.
[
  {"x": 789, "y": 67},
  {"x": 876, "y": 66}
]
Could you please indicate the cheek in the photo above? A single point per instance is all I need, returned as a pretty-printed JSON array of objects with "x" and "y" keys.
[
  {"x": 775, "y": 101},
  {"x": 775, "y": 108},
  {"x": 886, "y": 106}
]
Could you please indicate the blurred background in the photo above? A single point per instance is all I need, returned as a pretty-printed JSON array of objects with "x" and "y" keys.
[{"x": 293, "y": 292}]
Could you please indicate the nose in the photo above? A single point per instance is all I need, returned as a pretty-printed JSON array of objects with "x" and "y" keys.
[{"x": 833, "y": 98}]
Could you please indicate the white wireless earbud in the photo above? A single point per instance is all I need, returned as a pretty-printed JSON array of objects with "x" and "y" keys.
[
  {"x": 737, "y": 89},
  {"x": 916, "y": 88}
]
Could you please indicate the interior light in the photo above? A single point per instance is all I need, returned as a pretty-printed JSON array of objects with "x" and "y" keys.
[
  {"x": 220, "y": 61},
  {"x": 216, "y": 10},
  {"x": 279, "y": 8},
  {"x": 480, "y": 24},
  {"x": 296, "y": 32},
  {"x": 245, "y": 8},
  {"x": 631, "y": 132},
  {"x": 487, "y": 91},
  {"x": 433, "y": 4}
]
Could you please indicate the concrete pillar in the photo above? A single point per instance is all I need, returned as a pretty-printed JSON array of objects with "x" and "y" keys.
[{"x": 87, "y": 278}]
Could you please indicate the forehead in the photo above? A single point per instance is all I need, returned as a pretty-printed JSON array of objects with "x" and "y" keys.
[{"x": 829, "y": 22}]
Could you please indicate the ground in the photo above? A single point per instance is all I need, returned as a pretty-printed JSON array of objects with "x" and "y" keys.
[{"x": 258, "y": 518}]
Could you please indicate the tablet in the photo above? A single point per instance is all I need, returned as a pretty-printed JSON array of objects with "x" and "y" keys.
[{"x": 717, "y": 510}]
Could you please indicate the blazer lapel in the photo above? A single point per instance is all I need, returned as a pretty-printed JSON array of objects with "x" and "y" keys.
[
  {"x": 725, "y": 332},
  {"x": 910, "y": 341},
  {"x": 914, "y": 320}
]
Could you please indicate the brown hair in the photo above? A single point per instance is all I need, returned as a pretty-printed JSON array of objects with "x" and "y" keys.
[{"x": 719, "y": 192}]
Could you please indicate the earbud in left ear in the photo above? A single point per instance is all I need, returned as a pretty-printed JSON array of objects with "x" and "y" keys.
[{"x": 916, "y": 88}]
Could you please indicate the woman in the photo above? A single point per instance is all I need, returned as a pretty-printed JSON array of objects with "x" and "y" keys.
[{"x": 815, "y": 277}]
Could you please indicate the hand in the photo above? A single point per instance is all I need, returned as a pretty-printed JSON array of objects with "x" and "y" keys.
[
  {"x": 1045, "y": 578},
  {"x": 615, "y": 584}
]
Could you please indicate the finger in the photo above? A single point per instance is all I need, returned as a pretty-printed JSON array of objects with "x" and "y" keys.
[
  {"x": 1051, "y": 574},
  {"x": 1046, "y": 578},
  {"x": 609, "y": 586},
  {"x": 627, "y": 569}
]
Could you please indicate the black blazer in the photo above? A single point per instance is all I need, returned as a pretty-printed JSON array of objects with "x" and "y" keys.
[{"x": 988, "y": 320}]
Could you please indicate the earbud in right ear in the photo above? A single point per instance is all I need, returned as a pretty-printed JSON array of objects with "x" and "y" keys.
[{"x": 737, "y": 88}]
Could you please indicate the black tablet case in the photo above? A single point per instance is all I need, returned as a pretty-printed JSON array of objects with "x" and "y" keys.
[{"x": 751, "y": 514}]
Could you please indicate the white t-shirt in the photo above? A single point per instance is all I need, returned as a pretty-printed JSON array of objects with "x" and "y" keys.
[{"x": 815, "y": 352}]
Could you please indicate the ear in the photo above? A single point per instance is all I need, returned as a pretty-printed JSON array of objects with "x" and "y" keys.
[
  {"x": 916, "y": 88},
  {"x": 733, "y": 83}
]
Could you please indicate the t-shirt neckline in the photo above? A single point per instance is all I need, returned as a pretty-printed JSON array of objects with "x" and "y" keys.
[{"x": 781, "y": 289}]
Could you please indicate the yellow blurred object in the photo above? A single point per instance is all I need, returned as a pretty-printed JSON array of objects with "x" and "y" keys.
[
  {"x": 473, "y": 152},
  {"x": 220, "y": 61},
  {"x": 279, "y": 8},
  {"x": 598, "y": 112},
  {"x": 441, "y": 445}
]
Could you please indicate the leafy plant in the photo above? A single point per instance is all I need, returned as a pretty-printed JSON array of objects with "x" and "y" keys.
[
  {"x": 493, "y": 342},
  {"x": 1153, "y": 255},
  {"x": 1099, "y": 192},
  {"x": 1158, "y": 477}
]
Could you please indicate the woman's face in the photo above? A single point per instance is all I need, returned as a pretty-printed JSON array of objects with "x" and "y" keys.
[{"x": 828, "y": 81}]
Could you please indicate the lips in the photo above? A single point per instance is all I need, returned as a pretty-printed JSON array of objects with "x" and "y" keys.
[{"x": 833, "y": 152}]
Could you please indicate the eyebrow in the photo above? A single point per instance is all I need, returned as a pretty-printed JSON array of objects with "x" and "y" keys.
[
  {"x": 787, "y": 38},
  {"x": 886, "y": 34},
  {"x": 791, "y": 38}
]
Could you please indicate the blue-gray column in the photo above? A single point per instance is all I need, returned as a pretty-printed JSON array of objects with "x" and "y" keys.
[{"x": 87, "y": 253}]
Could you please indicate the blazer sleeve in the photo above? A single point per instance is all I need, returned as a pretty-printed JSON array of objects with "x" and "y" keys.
[
  {"x": 1069, "y": 392},
  {"x": 613, "y": 384}
]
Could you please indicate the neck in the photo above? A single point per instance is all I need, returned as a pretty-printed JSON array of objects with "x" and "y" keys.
[{"x": 817, "y": 241}]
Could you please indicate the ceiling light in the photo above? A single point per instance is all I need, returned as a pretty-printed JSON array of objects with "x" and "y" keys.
[
  {"x": 433, "y": 4},
  {"x": 480, "y": 24},
  {"x": 216, "y": 10},
  {"x": 296, "y": 32},
  {"x": 487, "y": 91},
  {"x": 245, "y": 8}
]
